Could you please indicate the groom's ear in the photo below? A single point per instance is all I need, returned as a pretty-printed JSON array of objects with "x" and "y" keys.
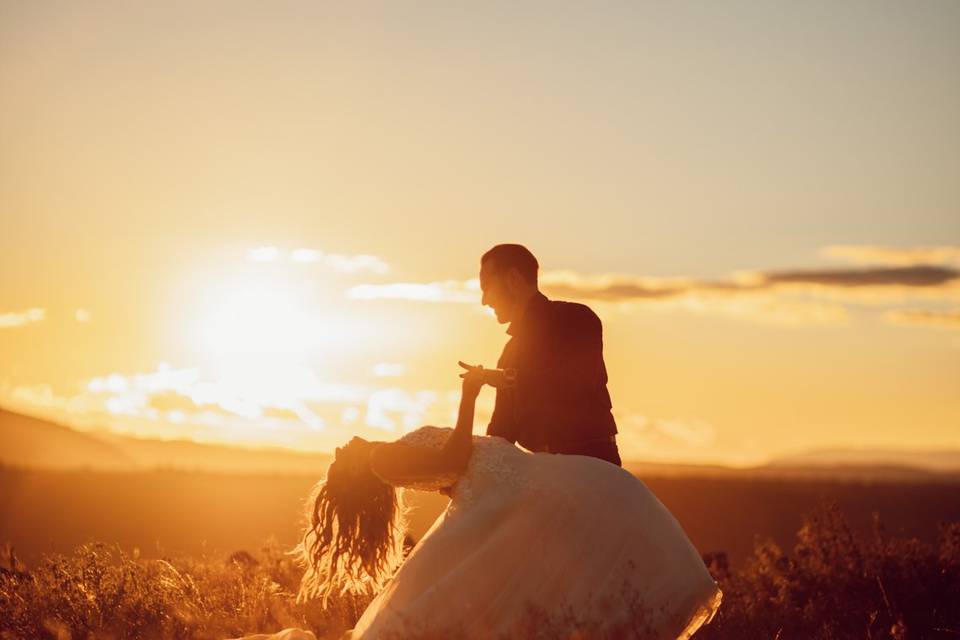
[{"x": 515, "y": 281}]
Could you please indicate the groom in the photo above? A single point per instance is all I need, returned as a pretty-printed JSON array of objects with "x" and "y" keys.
[{"x": 551, "y": 380}]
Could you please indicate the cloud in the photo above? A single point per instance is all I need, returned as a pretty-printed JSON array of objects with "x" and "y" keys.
[
  {"x": 692, "y": 433},
  {"x": 899, "y": 256},
  {"x": 387, "y": 409},
  {"x": 878, "y": 283},
  {"x": 355, "y": 264},
  {"x": 305, "y": 255},
  {"x": 263, "y": 254},
  {"x": 389, "y": 369},
  {"x": 19, "y": 319},
  {"x": 294, "y": 407},
  {"x": 447, "y": 291},
  {"x": 909, "y": 276},
  {"x": 362, "y": 263},
  {"x": 768, "y": 310},
  {"x": 924, "y": 318},
  {"x": 797, "y": 297},
  {"x": 644, "y": 435},
  {"x": 612, "y": 288}
]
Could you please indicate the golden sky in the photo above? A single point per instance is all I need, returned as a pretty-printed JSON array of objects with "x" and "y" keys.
[{"x": 261, "y": 223}]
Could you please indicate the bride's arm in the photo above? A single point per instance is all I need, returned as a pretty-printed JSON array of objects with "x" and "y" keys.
[{"x": 399, "y": 463}]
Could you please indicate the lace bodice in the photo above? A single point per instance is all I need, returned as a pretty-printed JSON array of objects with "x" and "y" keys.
[
  {"x": 433, "y": 438},
  {"x": 494, "y": 464}
]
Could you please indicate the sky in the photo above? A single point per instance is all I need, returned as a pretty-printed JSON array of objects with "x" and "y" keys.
[{"x": 261, "y": 223}]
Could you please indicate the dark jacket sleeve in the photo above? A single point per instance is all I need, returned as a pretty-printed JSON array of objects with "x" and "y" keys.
[{"x": 502, "y": 422}]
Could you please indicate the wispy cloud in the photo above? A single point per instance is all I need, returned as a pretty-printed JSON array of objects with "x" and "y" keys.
[
  {"x": 15, "y": 319},
  {"x": 892, "y": 280},
  {"x": 343, "y": 263},
  {"x": 391, "y": 409},
  {"x": 467, "y": 291},
  {"x": 186, "y": 391},
  {"x": 898, "y": 256},
  {"x": 924, "y": 318},
  {"x": 653, "y": 437},
  {"x": 793, "y": 297},
  {"x": 695, "y": 433},
  {"x": 264, "y": 254},
  {"x": 762, "y": 309},
  {"x": 355, "y": 264},
  {"x": 389, "y": 369},
  {"x": 293, "y": 406}
]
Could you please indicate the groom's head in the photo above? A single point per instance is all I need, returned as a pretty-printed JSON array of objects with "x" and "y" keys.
[{"x": 508, "y": 277}]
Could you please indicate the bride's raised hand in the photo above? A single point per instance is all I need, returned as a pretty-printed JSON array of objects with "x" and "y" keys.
[
  {"x": 473, "y": 379},
  {"x": 496, "y": 378}
]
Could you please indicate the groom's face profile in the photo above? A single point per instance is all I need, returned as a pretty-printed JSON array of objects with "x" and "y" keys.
[{"x": 497, "y": 293}]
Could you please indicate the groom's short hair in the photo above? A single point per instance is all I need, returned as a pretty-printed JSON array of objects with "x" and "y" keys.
[{"x": 505, "y": 256}]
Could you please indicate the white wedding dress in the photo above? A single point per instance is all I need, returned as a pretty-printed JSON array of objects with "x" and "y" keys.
[{"x": 538, "y": 545}]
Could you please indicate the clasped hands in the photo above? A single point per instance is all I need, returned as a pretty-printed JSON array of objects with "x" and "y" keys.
[{"x": 476, "y": 376}]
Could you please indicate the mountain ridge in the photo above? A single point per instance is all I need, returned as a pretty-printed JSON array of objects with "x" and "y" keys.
[{"x": 40, "y": 443}]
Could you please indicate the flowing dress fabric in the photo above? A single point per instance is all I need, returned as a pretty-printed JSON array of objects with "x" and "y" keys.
[{"x": 531, "y": 540}]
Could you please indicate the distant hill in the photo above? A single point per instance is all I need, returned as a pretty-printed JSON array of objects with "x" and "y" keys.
[
  {"x": 865, "y": 472},
  {"x": 34, "y": 443},
  {"x": 943, "y": 461},
  {"x": 183, "y": 454},
  {"x": 849, "y": 466},
  {"x": 40, "y": 444}
]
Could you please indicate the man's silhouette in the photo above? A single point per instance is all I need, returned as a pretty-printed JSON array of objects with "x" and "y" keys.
[{"x": 552, "y": 382}]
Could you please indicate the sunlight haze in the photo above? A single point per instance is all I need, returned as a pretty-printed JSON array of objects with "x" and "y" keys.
[{"x": 261, "y": 223}]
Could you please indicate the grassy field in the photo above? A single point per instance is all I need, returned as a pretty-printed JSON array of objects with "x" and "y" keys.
[
  {"x": 828, "y": 584},
  {"x": 173, "y": 554}
]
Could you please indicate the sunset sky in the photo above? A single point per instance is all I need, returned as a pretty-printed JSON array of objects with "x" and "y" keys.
[{"x": 261, "y": 222}]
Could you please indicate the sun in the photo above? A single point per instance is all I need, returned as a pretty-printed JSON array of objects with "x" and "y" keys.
[
  {"x": 260, "y": 320},
  {"x": 258, "y": 338}
]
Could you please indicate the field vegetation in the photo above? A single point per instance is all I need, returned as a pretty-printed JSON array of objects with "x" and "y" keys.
[{"x": 829, "y": 584}]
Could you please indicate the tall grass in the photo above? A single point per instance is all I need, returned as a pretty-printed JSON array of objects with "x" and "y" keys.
[
  {"x": 99, "y": 591},
  {"x": 830, "y": 585}
]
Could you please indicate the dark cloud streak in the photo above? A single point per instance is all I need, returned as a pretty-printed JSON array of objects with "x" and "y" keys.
[
  {"x": 920, "y": 276},
  {"x": 915, "y": 276}
]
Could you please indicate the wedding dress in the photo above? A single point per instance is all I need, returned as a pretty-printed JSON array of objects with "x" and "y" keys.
[
  {"x": 538, "y": 545},
  {"x": 534, "y": 541}
]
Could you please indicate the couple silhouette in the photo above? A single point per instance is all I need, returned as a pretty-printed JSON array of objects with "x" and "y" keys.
[{"x": 546, "y": 541}]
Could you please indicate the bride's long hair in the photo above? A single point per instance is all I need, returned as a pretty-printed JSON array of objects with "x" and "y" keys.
[{"x": 354, "y": 537}]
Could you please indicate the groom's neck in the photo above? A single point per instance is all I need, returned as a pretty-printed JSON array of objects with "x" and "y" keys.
[{"x": 522, "y": 303}]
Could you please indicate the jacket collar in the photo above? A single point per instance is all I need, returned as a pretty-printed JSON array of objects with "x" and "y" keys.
[{"x": 528, "y": 313}]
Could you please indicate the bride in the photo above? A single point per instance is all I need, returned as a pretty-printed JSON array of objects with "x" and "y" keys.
[{"x": 531, "y": 544}]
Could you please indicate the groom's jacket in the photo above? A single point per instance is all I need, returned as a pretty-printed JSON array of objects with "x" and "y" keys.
[{"x": 559, "y": 401}]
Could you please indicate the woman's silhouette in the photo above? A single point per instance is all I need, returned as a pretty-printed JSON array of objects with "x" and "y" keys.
[{"x": 528, "y": 538}]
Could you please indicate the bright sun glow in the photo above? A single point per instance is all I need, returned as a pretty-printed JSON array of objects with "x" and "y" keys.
[
  {"x": 258, "y": 336},
  {"x": 259, "y": 321}
]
